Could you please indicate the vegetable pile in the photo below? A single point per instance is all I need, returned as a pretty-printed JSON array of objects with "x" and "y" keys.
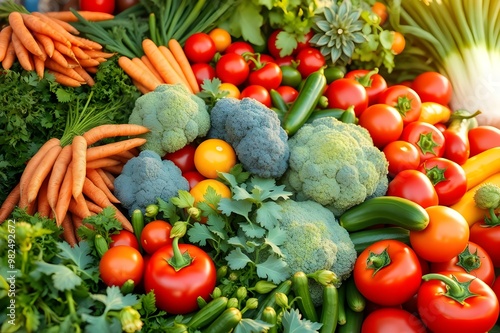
[{"x": 247, "y": 168}]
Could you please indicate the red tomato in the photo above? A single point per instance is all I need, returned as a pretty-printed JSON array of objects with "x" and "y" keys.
[
  {"x": 343, "y": 93},
  {"x": 200, "y": 47},
  {"x": 268, "y": 76},
  {"x": 105, "y": 6},
  {"x": 426, "y": 137},
  {"x": 415, "y": 186},
  {"x": 496, "y": 287},
  {"x": 193, "y": 178},
  {"x": 457, "y": 147},
  {"x": 488, "y": 237},
  {"x": 183, "y": 158},
  {"x": 310, "y": 60},
  {"x": 155, "y": 235},
  {"x": 260, "y": 59},
  {"x": 448, "y": 178},
  {"x": 433, "y": 87},
  {"x": 382, "y": 121},
  {"x": 232, "y": 68},
  {"x": 401, "y": 155},
  {"x": 289, "y": 94},
  {"x": 446, "y": 235},
  {"x": 203, "y": 71},
  {"x": 373, "y": 82},
  {"x": 404, "y": 99},
  {"x": 121, "y": 5},
  {"x": 124, "y": 237},
  {"x": 304, "y": 42},
  {"x": 177, "y": 291},
  {"x": 440, "y": 312},
  {"x": 120, "y": 263},
  {"x": 284, "y": 61},
  {"x": 473, "y": 260},
  {"x": 240, "y": 47},
  {"x": 482, "y": 138},
  {"x": 386, "y": 320},
  {"x": 387, "y": 272},
  {"x": 257, "y": 92}
]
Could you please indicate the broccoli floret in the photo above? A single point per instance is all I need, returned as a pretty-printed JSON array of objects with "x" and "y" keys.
[
  {"x": 174, "y": 116},
  {"x": 335, "y": 164},
  {"x": 255, "y": 133},
  {"x": 146, "y": 178},
  {"x": 487, "y": 197}
]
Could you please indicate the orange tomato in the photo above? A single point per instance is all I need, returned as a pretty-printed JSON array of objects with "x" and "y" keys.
[
  {"x": 399, "y": 42},
  {"x": 221, "y": 38},
  {"x": 231, "y": 89},
  {"x": 212, "y": 156},
  {"x": 380, "y": 10}
]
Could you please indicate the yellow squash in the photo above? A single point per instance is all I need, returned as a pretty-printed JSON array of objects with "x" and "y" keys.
[{"x": 481, "y": 166}]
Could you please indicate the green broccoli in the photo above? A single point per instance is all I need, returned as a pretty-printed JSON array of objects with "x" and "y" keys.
[
  {"x": 174, "y": 116},
  {"x": 487, "y": 197},
  {"x": 335, "y": 164},
  {"x": 146, "y": 178}
]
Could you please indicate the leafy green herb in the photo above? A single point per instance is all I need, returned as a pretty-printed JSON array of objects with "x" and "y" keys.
[{"x": 293, "y": 323}]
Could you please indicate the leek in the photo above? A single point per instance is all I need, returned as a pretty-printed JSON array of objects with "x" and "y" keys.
[{"x": 461, "y": 40}]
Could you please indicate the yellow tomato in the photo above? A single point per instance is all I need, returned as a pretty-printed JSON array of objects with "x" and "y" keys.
[
  {"x": 231, "y": 89},
  {"x": 212, "y": 156},
  {"x": 221, "y": 38},
  {"x": 198, "y": 191}
]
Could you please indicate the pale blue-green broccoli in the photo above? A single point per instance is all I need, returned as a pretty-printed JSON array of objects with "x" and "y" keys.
[
  {"x": 146, "y": 178},
  {"x": 174, "y": 116},
  {"x": 254, "y": 132},
  {"x": 335, "y": 164}
]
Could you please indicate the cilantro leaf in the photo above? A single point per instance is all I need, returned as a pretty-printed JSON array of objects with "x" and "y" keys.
[
  {"x": 64, "y": 278},
  {"x": 200, "y": 234},
  {"x": 275, "y": 238},
  {"x": 228, "y": 206},
  {"x": 268, "y": 214},
  {"x": 293, "y": 323},
  {"x": 237, "y": 259},
  {"x": 148, "y": 303},
  {"x": 273, "y": 269},
  {"x": 80, "y": 254},
  {"x": 252, "y": 230},
  {"x": 247, "y": 325}
]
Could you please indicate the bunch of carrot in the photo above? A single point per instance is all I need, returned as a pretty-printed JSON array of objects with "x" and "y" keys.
[
  {"x": 72, "y": 182},
  {"x": 47, "y": 41},
  {"x": 160, "y": 64}
]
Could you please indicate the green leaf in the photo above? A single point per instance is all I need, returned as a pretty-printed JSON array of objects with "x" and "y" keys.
[
  {"x": 228, "y": 207},
  {"x": 237, "y": 259},
  {"x": 268, "y": 214},
  {"x": 79, "y": 254},
  {"x": 293, "y": 323},
  {"x": 252, "y": 230},
  {"x": 63, "y": 277},
  {"x": 248, "y": 325},
  {"x": 266, "y": 188},
  {"x": 246, "y": 21},
  {"x": 168, "y": 209},
  {"x": 286, "y": 43},
  {"x": 101, "y": 324},
  {"x": 200, "y": 234},
  {"x": 275, "y": 238},
  {"x": 386, "y": 39},
  {"x": 114, "y": 299},
  {"x": 273, "y": 269},
  {"x": 183, "y": 200},
  {"x": 149, "y": 303}
]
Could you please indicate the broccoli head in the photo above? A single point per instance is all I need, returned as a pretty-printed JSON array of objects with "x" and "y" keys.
[
  {"x": 174, "y": 116},
  {"x": 146, "y": 178},
  {"x": 255, "y": 133},
  {"x": 335, "y": 164}
]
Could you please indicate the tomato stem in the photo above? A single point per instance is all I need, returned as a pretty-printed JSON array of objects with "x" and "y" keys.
[
  {"x": 436, "y": 174},
  {"x": 377, "y": 261},
  {"x": 458, "y": 291},
  {"x": 469, "y": 261},
  {"x": 426, "y": 143}
]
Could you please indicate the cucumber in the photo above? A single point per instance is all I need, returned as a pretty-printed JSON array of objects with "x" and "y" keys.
[
  {"x": 278, "y": 102},
  {"x": 342, "y": 305},
  {"x": 330, "y": 310},
  {"x": 269, "y": 316},
  {"x": 208, "y": 313},
  {"x": 284, "y": 287},
  {"x": 225, "y": 322},
  {"x": 354, "y": 299},
  {"x": 300, "y": 286},
  {"x": 335, "y": 113},
  {"x": 391, "y": 210},
  {"x": 137, "y": 221},
  {"x": 101, "y": 245},
  {"x": 354, "y": 321},
  {"x": 363, "y": 238}
]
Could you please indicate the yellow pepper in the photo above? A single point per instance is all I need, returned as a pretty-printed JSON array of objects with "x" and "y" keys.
[
  {"x": 434, "y": 113},
  {"x": 481, "y": 166}
]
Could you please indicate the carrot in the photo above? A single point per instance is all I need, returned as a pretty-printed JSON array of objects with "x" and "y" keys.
[
  {"x": 85, "y": 75},
  {"x": 41, "y": 172},
  {"x": 22, "y": 54},
  {"x": 97, "y": 180},
  {"x": 19, "y": 27},
  {"x": 64, "y": 196},
  {"x": 31, "y": 167},
  {"x": 112, "y": 130},
  {"x": 68, "y": 16},
  {"x": 46, "y": 42},
  {"x": 109, "y": 149},
  {"x": 5, "y": 35},
  {"x": 68, "y": 230},
  {"x": 79, "y": 207},
  {"x": 57, "y": 175},
  {"x": 103, "y": 163},
  {"x": 146, "y": 68},
  {"x": 161, "y": 63},
  {"x": 179, "y": 54},
  {"x": 65, "y": 25},
  {"x": 58, "y": 57},
  {"x": 65, "y": 80},
  {"x": 114, "y": 169},
  {"x": 126, "y": 154},
  {"x": 83, "y": 62},
  {"x": 10, "y": 56},
  {"x": 87, "y": 43},
  {"x": 79, "y": 164},
  {"x": 141, "y": 87},
  {"x": 57, "y": 67},
  {"x": 93, "y": 207},
  {"x": 138, "y": 73},
  {"x": 65, "y": 50},
  {"x": 150, "y": 66},
  {"x": 107, "y": 178},
  {"x": 77, "y": 223},
  {"x": 98, "y": 54},
  {"x": 34, "y": 23},
  {"x": 43, "y": 206},
  {"x": 39, "y": 63},
  {"x": 10, "y": 203},
  {"x": 80, "y": 53},
  {"x": 174, "y": 63}
]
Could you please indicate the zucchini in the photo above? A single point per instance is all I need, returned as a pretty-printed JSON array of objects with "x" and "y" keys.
[
  {"x": 208, "y": 313},
  {"x": 354, "y": 321},
  {"x": 137, "y": 221},
  {"x": 269, "y": 316},
  {"x": 300, "y": 286},
  {"x": 342, "y": 302},
  {"x": 225, "y": 322},
  {"x": 306, "y": 101},
  {"x": 392, "y": 210},
  {"x": 278, "y": 102},
  {"x": 354, "y": 299},
  {"x": 101, "y": 245},
  {"x": 363, "y": 238},
  {"x": 335, "y": 113},
  {"x": 330, "y": 310},
  {"x": 284, "y": 287}
]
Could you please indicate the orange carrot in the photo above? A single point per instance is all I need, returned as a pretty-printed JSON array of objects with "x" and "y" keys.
[
  {"x": 174, "y": 63},
  {"x": 159, "y": 61},
  {"x": 22, "y": 54},
  {"x": 109, "y": 149},
  {"x": 19, "y": 27},
  {"x": 112, "y": 130},
  {"x": 98, "y": 54},
  {"x": 80, "y": 53},
  {"x": 64, "y": 196},
  {"x": 65, "y": 80},
  {"x": 34, "y": 23},
  {"x": 150, "y": 66},
  {"x": 93, "y": 207},
  {"x": 39, "y": 63},
  {"x": 83, "y": 62},
  {"x": 126, "y": 154},
  {"x": 57, "y": 175},
  {"x": 103, "y": 163},
  {"x": 64, "y": 36},
  {"x": 107, "y": 178},
  {"x": 114, "y": 169},
  {"x": 5, "y": 35},
  {"x": 141, "y": 87},
  {"x": 10, "y": 56},
  {"x": 46, "y": 42},
  {"x": 68, "y": 16},
  {"x": 85, "y": 75},
  {"x": 79, "y": 207},
  {"x": 41, "y": 172},
  {"x": 138, "y": 73},
  {"x": 87, "y": 43},
  {"x": 10, "y": 203},
  {"x": 97, "y": 180},
  {"x": 90, "y": 69},
  {"x": 68, "y": 230},
  {"x": 58, "y": 57},
  {"x": 77, "y": 223},
  {"x": 43, "y": 206},
  {"x": 65, "y": 50},
  {"x": 179, "y": 54},
  {"x": 65, "y": 25},
  {"x": 79, "y": 163},
  {"x": 57, "y": 67},
  {"x": 146, "y": 68}
]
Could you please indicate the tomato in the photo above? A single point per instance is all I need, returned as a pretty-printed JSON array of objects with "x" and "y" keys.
[
  {"x": 496, "y": 287},
  {"x": 121, "y": 5},
  {"x": 239, "y": 47},
  {"x": 386, "y": 320},
  {"x": 398, "y": 42},
  {"x": 183, "y": 158},
  {"x": 193, "y": 178},
  {"x": 232, "y": 68},
  {"x": 415, "y": 186},
  {"x": 401, "y": 155},
  {"x": 303, "y": 42},
  {"x": 124, "y": 237},
  {"x": 442, "y": 307},
  {"x": 285, "y": 61},
  {"x": 373, "y": 82},
  {"x": 387, "y": 272},
  {"x": 429, "y": 140},
  {"x": 448, "y": 178},
  {"x": 121, "y": 263},
  {"x": 212, "y": 156},
  {"x": 488, "y": 237},
  {"x": 343, "y": 93},
  {"x": 272, "y": 48},
  {"x": 310, "y": 60},
  {"x": 221, "y": 38},
  {"x": 383, "y": 122},
  {"x": 289, "y": 94},
  {"x": 473, "y": 260},
  {"x": 380, "y": 9},
  {"x": 200, "y": 189},
  {"x": 290, "y": 76},
  {"x": 105, "y": 6},
  {"x": 199, "y": 47},
  {"x": 433, "y": 87},
  {"x": 203, "y": 71},
  {"x": 231, "y": 89},
  {"x": 155, "y": 235},
  {"x": 268, "y": 76},
  {"x": 258, "y": 93},
  {"x": 404, "y": 99},
  {"x": 482, "y": 138},
  {"x": 177, "y": 291},
  {"x": 446, "y": 235}
]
